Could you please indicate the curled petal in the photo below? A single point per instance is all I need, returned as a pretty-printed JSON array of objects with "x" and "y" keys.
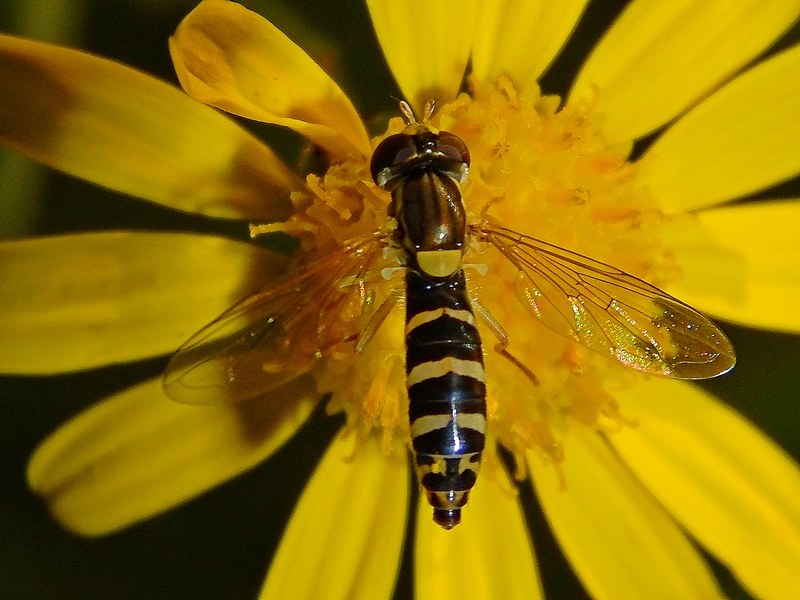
[
  {"x": 137, "y": 453},
  {"x": 659, "y": 58},
  {"x": 119, "y": 128},
  {"x": 724, "y": 480},
  {"x": 234, "y": 59},
  {"x": 346, "y": 534},
  {"x": 81, "y": 301},
  {"x": 620, "y": 542}
]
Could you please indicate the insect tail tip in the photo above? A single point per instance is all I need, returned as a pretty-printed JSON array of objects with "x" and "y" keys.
[{"x": 447, "y": 518}]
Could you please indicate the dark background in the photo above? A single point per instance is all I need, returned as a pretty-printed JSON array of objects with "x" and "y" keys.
[{"x": 219, "y": 546}]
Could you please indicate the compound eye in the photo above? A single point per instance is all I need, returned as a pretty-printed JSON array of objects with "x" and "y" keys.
[
  {"x": 453, "y": 148},
  {"x": 392, "y": 152}
]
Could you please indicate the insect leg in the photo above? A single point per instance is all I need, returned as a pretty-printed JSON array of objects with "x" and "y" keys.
[
  {"x": 502, "y": 339},
  {"x": 491, "y": 322},
  {"x": 500, "y": 349}
]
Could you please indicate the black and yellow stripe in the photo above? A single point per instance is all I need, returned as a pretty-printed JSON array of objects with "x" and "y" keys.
[
  {"x": 446, "y": 390},
  {"x": 446, "y": 382}
]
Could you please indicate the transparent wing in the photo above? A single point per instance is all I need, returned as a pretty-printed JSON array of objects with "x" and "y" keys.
[
  {"x": 275, "y": 334},
  {"x": 611, "y": 311}
]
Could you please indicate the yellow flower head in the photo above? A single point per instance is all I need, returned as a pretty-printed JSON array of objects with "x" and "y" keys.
[{"x": 624, "y": 464}]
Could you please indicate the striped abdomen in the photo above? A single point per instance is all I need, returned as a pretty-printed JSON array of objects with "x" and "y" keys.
[{"x": 446, "y": 391}]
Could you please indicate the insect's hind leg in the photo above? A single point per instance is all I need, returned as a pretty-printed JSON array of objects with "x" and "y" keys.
[{"x": 502, "y": 339}]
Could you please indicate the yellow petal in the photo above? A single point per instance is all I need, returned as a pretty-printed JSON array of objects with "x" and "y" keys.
[
  {"x": 724, "y": 480},
  {"x": 741, "y": 263},
  {"x": 346, "y": 534},
  {"x": 124, "y": 130},
  {"x": 137, "y": 454},
  {"x": 520, "y": 39},
  {"x": 738, "y": 141},
  {"x": 659, "y": 58},
  {"x": 234, "y": 59},
  {"x": 426, "y": 44},
  {"x": 618, "y": 539},
  {"x": 81, "y": 301},
  {"x": 489, "y": 555}
]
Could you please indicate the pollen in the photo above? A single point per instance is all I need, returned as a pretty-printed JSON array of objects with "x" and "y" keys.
[{"x": 537, "y": 168}]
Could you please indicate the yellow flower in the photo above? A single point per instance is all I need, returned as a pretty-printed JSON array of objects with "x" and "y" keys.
[{"x": 626, "y": 467}]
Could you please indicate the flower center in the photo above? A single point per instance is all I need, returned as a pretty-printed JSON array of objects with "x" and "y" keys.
[{"x": 538, "y": 170}]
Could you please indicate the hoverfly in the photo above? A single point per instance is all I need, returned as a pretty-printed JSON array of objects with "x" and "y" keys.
[{"x": 281, "y": 331}]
